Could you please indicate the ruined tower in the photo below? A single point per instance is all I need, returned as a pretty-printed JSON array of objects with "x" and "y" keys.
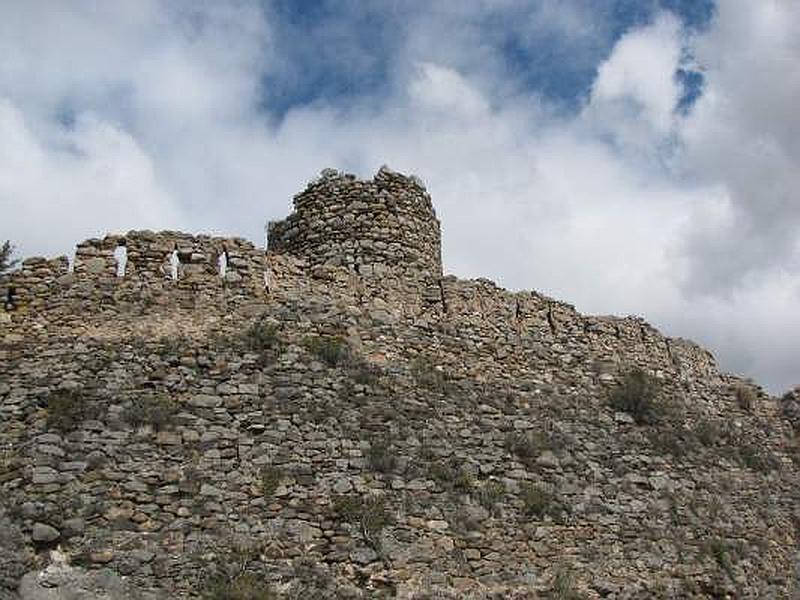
[{"x": 367, "y": 226}]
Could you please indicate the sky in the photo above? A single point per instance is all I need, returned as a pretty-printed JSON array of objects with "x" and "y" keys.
[{"x": 627, "y": 156}]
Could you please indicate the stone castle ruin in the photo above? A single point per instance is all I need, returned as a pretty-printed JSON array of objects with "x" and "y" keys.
[
  {"x": 366, "y": 226},
  {"x": 168, "y": 399},
  {"x": 379, "y": 239}
]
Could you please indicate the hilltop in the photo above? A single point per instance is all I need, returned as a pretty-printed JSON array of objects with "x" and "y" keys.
[{"x": 333, "y": 417}]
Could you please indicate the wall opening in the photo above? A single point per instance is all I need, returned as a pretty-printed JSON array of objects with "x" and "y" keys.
[
  {"x": 174, "y": 264},
  {"x": 222, "y": 263},
  {"x": 121, "y": 256}
]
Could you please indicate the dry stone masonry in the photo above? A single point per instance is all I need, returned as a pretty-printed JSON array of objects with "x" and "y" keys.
[
  {"x": 366, "y": 226},
  {"x": 334, "y": 418}
]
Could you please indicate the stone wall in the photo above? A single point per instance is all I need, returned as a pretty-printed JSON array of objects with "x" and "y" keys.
[
  {"x": 514, "y": 324},
  {"x": 201, "y": 267},
  {"x": 367, "y": 226}
]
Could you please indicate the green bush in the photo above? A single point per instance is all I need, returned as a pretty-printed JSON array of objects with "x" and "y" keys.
[
  {"x": 489, "y": 495},
  {"x": 6, "y": 262},
  {"x": 271, "y": 477},
  {"x": 637, "y": 395},
  {"x": 67, "y": 408},
  {"x": 230, "y": 573},
  {"x": 245, "y": 586},
  {"x": 451, "y": 475},
  {"x": 380, "y": 457},
  {"x": 541, "y": 501},
  {"x": 527, "y": 446},
  {"x": 722, "y": 553},
  {"x": 261, "y": 338},
  {"x": 368, "y": 514},
  {"x": 707, "y": 432},
  {"x": 564, "y": 586},
  {"x": 158, "y": 411},
  {"x": 756, "y": 458},
  {"x": 427, "y": 375},
  {"x": 332, "y": 350},
  {"x": 746, "y": 397}
]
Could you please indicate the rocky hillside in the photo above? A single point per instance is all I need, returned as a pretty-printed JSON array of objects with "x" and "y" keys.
[{"x": 307, "y": 431}]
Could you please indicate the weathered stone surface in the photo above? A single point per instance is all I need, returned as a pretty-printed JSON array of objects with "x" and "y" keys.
[
  {"x": 44, "y": 533},
  {"x": 62, "y": 582},
  {"x": 205, "y": 401},
  {"x": 346, "y": 421},
  {"x": 379, "y": 213}
]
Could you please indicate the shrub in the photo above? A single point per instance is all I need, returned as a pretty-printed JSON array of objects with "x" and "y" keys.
[
  {"x": 380, "y": 457},
  {"x": 527, "y": 446},
  {"x": 363, "y": 373},
  {"x": 158, "y": 411},
  {"x": 746, "y": 397},
  {"x": 246, "y": 586},
  {"x": 229, "y": 575},
  {"x": 541, "y": 501},
  {"x": 261, "y": 338},
  {"x": 6, "y": 262},
  {"x": 451, "y": 476},
  {"x": 368, "y": 514},
  {"x": 173, "y": 345},
  {"x": 722, "y": 553},
  {"x": 564, "y": 586},
  {"x": 427, "y": 375},
  {"x": 637, "y": 395},
  {"x": 489, "y": 495},
  {"x": 707, "y": 432},
  {"x": 271, "y": 477},
  {"x": 67, "y": 408},
  {"x": 676, "y": 440},
  {"x": 756, "y": 458},
  {"x": 332, "y": 350}
]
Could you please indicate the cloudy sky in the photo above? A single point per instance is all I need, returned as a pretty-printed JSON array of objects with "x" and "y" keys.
[{"x": 628, "y": 156}]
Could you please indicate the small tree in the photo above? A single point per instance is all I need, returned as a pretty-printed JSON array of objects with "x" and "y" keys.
[{"x": 6, "y": 263}]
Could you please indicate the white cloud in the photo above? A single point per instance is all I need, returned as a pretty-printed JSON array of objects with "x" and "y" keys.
[
  {"x": 444, "y": 90},
  {"x": 744, "y": 133},
  {"x": 151, "y": 117},
  {"x": 636, "y": 86},
  {"x": 92, "y": 179}
]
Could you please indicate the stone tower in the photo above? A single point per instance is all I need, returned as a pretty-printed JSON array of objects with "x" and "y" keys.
[{"x": 367, "y": 226}]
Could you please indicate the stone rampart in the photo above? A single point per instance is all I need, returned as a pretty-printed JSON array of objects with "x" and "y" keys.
[{"x": 371, "y": 244}]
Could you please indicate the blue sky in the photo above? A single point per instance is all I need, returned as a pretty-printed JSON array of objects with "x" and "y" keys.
[
  {"x": 629, "y": 156},
  {"x": 322, "y": 37}
]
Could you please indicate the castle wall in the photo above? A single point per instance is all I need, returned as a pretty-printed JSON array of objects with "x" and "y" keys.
[
  {"x": 366, "y": 226},
  {"x": 512, "y": 328},
  {"x": 170, "y": 424},
  {"x": 159, "y": 268},
  {"x": 152, "y": 498}
]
